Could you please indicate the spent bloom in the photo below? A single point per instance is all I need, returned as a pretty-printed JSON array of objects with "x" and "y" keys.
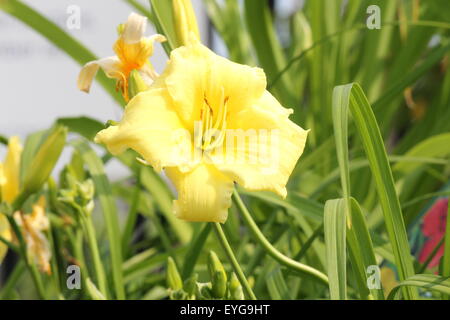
[
  {"x": 132, "y": 50},
  {"x": 202, "y": 104},
  {"x": 33, "y": 226},
  {"x": 9, "y": 187}
]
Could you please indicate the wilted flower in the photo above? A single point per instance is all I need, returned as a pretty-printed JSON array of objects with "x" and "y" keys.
[
  {"x": 33, "y": 226},
  {"x": 132, "y": 53}
]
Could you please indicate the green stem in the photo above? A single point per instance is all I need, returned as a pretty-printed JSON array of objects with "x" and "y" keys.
[
  {"x": 23, "y": 252},
  {"x": 12, "y": 280},
  {"x": 92, "y": 243},
  {"x": 235, "y": 264},
  {"x": 271, "y": 250}
]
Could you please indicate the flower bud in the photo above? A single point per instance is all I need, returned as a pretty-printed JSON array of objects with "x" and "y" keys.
[
  {"x": 86, "y": 190},
  {"x": 185, "y": 22},
  {"x": 204, "y": 291},
  {"x": 136, "y": 84},
  {"x": 173, "y": 277},
  {"x": 190, "y": 286},
  {"x": 44, "y": 160},
  {"x": 235, "y": 288},
  {"x": 218, "y": 275}
]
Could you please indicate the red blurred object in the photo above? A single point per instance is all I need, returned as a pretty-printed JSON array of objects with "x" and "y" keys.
[{"x": 433, "y": 228}]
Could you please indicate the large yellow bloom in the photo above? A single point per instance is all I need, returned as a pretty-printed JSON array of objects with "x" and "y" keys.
[
  {"x": 132, "y": 53},
  {"x": 210, "y": 122},
  {"x": 9, "y": 187}
]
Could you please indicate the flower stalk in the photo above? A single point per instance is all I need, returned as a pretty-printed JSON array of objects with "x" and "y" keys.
[
  {"x": 271, "y": 250},
  {"x": 234, "y": 263}
]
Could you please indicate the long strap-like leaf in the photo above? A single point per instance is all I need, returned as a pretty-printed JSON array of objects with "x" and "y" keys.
[
  {"x": 351, "y": 97},
  {"x": 105, "y": 195}
]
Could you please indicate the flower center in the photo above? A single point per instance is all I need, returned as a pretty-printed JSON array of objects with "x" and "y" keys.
[{"x": 212, "y": 125}]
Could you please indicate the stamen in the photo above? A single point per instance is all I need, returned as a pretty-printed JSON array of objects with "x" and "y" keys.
[{"x": 212, "y": 123}]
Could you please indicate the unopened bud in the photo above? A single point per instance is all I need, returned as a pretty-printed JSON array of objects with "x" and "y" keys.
[
  {"x": 185, "y": 22},
  {"x": 136, "y": 84},
  {"x": 190, "y": 285},
  {"x": 45, "y": 160},
  {"x": 218, "y": 275},
  {"x": 235, "y": 288},
  {"x": 173, "y": 276}
]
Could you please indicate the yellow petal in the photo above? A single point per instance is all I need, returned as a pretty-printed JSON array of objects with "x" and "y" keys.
[
  {"x": 111, "y": 66},
  {"x": 11, "y": 168},
  {"x": 204, "y": 194},
  {"x": 242, "y": 85},
  {"x": 2, "y": 178},
  {"x": 134, "y": 28},
  {"x": 194, "y": 73},
  {"x": 6, "y": 234},
  {"x": 152, "y": 128},
  {"x": 37, "y": 219},
  {"x": 267, "y": 149}
]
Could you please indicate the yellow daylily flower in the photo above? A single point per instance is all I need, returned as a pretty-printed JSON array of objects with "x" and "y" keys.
[
  {"x": 9, "y": 187},
  {"x": 33, "y": 226},
  {"x": 132, "y": 53},
  {"x": 188, "y": 122}
]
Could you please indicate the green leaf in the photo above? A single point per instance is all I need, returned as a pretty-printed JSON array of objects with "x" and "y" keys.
[
  {"x": 194, "y": 250},
  {"x": 84, "y": 126},
  {"x": 107, "y": 201},
  {"x": 335, "y": 233},
  {"x": 163, "y": 20},
  {"x": 435, "y": 146},
  {"x": 295, "y": 204},
  {"x": 361, "y": 250},
  {"x": 268, "y": 49},
  {"x": 93, "y": 290},
  {"x": 425, "y": 281},
  {"x": 276, "y": 285},
  {"x": 352, "y": 97},
  {"x": 163, "y": 199},
  {"x": 229, "y": 24}
]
